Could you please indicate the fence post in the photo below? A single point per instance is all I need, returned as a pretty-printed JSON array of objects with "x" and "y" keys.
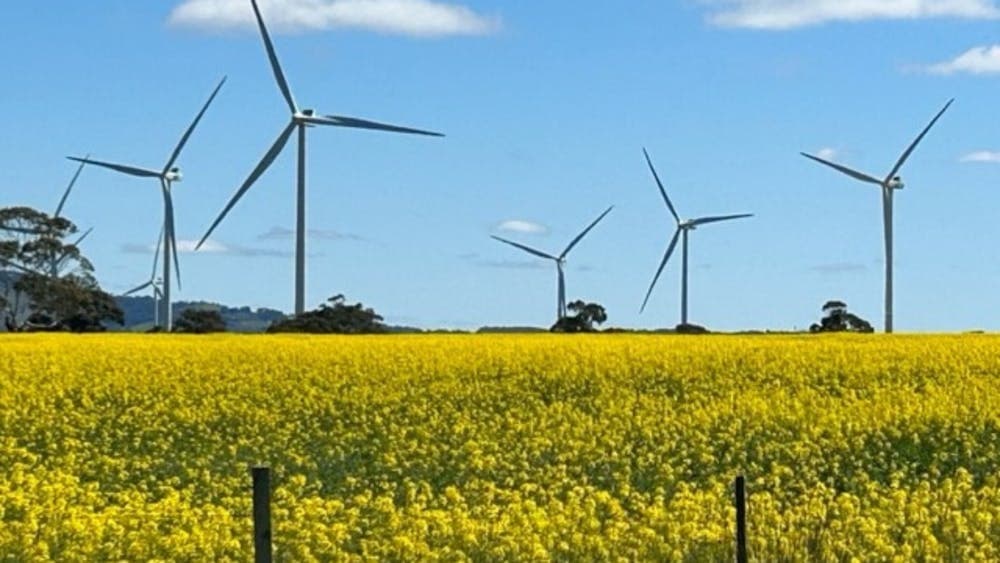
[
  {"x": 741, "y": 520},
  {"x": 262, "y": 514}
]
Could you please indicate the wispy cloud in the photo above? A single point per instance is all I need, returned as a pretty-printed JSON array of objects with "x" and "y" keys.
[
  {"x": 283, "y": 233},
  {"x": 210, "y": 247},
  {"x": 839, "y": 268},
  {"x": 982, "y": 156},
  {"x": 827, "y": 153},
  {"x": 522, "y": 227},
  {"x": 977, "y": 60},
  {"x": 419, "y": 18},
  {"x": 790, "y": 14}
]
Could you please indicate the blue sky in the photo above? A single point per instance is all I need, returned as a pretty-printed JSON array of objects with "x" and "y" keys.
[{"x": 547, "y": 107}]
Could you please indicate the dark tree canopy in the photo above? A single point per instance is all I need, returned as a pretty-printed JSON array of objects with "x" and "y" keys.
[
  {"x": 333, "y": 317},
  {"x": 585, "y": 317},
  {"x": 200, "y": 321},
  {"x": 46, "y": 283},
  {"x": 839, "y": 319}
]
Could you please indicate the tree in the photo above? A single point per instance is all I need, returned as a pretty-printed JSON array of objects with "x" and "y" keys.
[
  {"x": 333, "y": 317},
  {"x": 200, "y": 321},
  {"x": 587, "y": 315},
  {"x": 46, "y": 283},
  {"x": 838, "y": 319}
]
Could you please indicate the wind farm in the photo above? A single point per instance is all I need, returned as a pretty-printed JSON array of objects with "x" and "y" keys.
[{"x": 818, "y": 386}]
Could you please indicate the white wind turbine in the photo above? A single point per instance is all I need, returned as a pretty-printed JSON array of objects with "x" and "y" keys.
[
  {"x": 301, "y": 119},
  {"x": 167, "y": 176},
  {"x": 889, "y": 185},
  {"x": 559, "y": 260},
  {"x": 153, "y": 282},
  {"x": 683, "y": 228}
]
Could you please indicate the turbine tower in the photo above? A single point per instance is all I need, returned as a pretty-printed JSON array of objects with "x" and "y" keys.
[
  {"x": 153, "y": 281},
  {"x": 301, "y": 119},
  {"x": 167, "y": 176},
  {"x": 889, "y": 185},
  {"x": 683, "y": 228},
  {"x": 559, "y": 260}
]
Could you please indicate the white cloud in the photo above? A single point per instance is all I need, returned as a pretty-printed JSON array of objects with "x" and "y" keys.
[
  {"x": 982, "y": 156},
  {"x": 523, "y": 227},
  {"x": 788, "y": 14},
  {"x": 210, "y": 247},
  {"x": 827, "y": 153},
  {"x": 977, "y": 60},
  {"x": 421, "y": 18}
]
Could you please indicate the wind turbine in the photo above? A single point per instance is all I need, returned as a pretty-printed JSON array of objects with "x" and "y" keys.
[
  {"x": 57, "y": 262},
  {"x": 167, "y": 176},
  {"x": 890, "y": 184},
  {"x": 559, "y": 260},
  {"x": 683, "y": 228},
  {"x": 300, "y": 120},
  {"x": 153, "y": 281}
]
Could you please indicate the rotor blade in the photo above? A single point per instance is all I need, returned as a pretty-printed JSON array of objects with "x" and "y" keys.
[
  {"x": 852, "y": 173},
  {"x": 663, "y": 191},
  {"x": 69, "y": 188},
  {"x": 663, "y": 264},
  {"x": 190, "y": 130},
  {"x": 706, "y": 220},
  {"x": 275, "y": 65},
  {"x": 83, "y": 236},
  {"x": 265, "y": 162},
  {"x": 171, "y": 233},
  {"x": 916, "y": 142},
  {"x": 580, "y": 236},
  {"x": 355, "y": 123},
  {"x": 156, "y": 253},
  {"x": 130, "y": 170},
  {"x": 138, "y": 289},
  {"x": 527, "y": 249}
]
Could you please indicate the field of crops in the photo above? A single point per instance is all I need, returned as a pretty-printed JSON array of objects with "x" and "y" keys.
[{"x": 500, "y": 447}]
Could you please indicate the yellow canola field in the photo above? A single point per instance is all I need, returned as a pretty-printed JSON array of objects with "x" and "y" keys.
[{"x": 500, "y": 448}]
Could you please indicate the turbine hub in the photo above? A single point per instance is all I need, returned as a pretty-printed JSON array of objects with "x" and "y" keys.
[{"x": 896, "y": 183}]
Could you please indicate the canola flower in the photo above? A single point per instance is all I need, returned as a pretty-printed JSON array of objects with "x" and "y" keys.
[{"x": 500, "y": 448}]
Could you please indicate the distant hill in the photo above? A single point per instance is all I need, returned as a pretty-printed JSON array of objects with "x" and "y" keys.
[{"x": 139, "y": 314}]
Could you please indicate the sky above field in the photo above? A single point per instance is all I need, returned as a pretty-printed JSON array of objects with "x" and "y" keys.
[{"x": 546, "y": 107}]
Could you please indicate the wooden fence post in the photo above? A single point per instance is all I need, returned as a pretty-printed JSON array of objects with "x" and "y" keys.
[
  {"x": 262, "y": 514},
  {"x": 741, "y": 520}
]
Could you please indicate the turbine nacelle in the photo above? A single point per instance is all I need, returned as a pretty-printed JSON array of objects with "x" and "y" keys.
[
  {"x": 896, "y": 183},
  {"x": 303, "y": 115},
  {"x": 174, "y": 175},
  {"x": 687, "y": 224}
]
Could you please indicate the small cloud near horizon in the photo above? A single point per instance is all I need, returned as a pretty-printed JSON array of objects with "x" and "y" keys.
[
  {"x": 210, "y": 247},
  {"x": 415, "y": 18},
  {"x": 777, "y": 15},
  {"x": 982, "y": 156},
  {"x": 283, "y": 233},
  {"x": 521, "y": 226}
]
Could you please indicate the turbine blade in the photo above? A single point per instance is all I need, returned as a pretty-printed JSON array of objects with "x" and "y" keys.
[
  {"x": 663, "y": 191},
  {"x": 190, "y": 130},
  {"x": 663, "y": 264},
  {"x": 910, "y": 149},
  {"x": 69, "y": 188},
  {"x": 264, "y": 164},
  {"x": 527, "y": 249},
  {"x": 83, "y": 237},
  {"x": 279, "y": 75},
  {"x": 706, "y": 220},
  {"x": 355, "y": 123},
  {"x": 168, "y": 200},
  {"x": 125, "y": 169},
  {"x": 138, "y": 289},
  {"x": 156, "y": 253},
  {"x": 852, "y": 173},
  {"x": 580, "y": 236}
]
